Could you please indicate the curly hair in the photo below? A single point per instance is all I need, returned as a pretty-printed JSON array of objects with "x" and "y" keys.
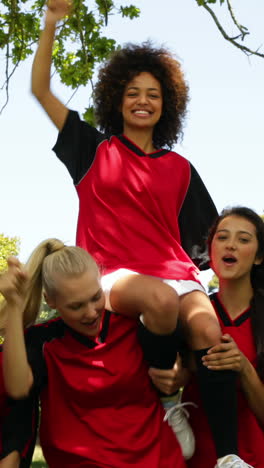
[
  {"x": 257, "y": 276},
  {"x": 122, "y": 66}
]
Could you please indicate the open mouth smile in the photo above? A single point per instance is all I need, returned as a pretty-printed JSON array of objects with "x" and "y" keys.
[
  {"x": 229, "y": 259},
  {"x": 142, "y": 112},
  {"x": 91, "y": 324}
]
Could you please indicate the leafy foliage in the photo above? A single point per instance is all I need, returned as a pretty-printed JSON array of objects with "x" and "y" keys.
[
  {"x": 213, "y": 284},
  {"x": 46, "y": 312},
  {"x": 203, "y": 2},
  {"x": 80, "y": 43},
  {"x": 8, "y": 246}
]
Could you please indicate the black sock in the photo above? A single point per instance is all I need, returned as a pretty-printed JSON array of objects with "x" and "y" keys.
[
  {"x": 219, "y": 397},
  {"x": 160, "y": 351}
]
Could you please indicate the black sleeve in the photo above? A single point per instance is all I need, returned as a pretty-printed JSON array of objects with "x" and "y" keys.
[
  {"x": 35, "y": 338},
  {"x": 20, "y": 421},
  {"x": 197, "y": 215},
  {"x": 19, "y": 429},
  {"x": 76, "y": 145}
]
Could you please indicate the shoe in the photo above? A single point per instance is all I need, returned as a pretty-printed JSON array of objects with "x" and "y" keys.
[
  {"x": 177, "y": 416},
  {"x": 231, "y": 461}
]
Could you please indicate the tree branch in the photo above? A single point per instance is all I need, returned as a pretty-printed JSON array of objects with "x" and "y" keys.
[
  {"x": 71, "y": 97},
  {"x": 232, "y": 40},
  {"x": 243, "y": 30},
  {"x": 8, "y": 77}
]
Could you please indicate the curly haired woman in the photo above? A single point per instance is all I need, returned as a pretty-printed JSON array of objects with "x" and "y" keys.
[{"x": 143, "y": 208}]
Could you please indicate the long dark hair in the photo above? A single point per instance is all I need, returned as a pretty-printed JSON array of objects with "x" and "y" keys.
[{"x": 257, "y": 277}]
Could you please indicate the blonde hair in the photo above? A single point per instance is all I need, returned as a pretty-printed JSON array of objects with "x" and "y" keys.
[{"x": 49, "y": 259}]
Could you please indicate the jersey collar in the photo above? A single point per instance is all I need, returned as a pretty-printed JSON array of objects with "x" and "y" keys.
[
  {"x": 224, "y": 316},
  {"x": 138, "y": 151}
]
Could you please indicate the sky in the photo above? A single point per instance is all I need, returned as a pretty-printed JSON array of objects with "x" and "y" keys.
[{"x": 224, "y": 131}]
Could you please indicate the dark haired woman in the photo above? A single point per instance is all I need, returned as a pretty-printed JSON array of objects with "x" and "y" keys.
[
  {"x": 236, "y": 246},
  {"x": 142, "y": 206}
]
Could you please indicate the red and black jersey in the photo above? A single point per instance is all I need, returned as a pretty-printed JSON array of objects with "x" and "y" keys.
[
  {"x": 136, "y": 210},
  {"x": 98, "y": 407},
  {"x": 250, "y": 434},
  {"x": 18, "y": 424}
]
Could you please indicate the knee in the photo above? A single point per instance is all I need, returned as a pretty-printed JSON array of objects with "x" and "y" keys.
[
  {"x": 205, "y": 334},
  {"x": 163, "y": 309},
  {"x": 165, "y": 301},
  {"x": 211, "y": 333}
]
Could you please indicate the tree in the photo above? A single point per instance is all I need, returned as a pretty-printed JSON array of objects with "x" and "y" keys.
[
  {"x": 8, "y": 246},
  {"x": 80, "y": 42},
  {"x": 213, "y": 284},
  {"x": 242, "y": 31},
  {"x": 79, "y": 46},
  {"x": 46, "y": 312}
]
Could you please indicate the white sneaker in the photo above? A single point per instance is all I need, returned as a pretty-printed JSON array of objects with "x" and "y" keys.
[
  {"x": 231, "y": 461},
  {"x": 177, "y": 416}
]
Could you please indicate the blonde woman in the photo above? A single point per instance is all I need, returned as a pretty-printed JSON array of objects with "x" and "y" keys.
[{"x": 98, "y": 407}]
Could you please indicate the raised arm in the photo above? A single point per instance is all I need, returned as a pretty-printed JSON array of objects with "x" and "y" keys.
[
  {"x": 18, "y": 376},
  {"x": 41, "y": 69}
]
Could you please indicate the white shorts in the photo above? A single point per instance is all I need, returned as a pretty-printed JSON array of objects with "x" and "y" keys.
[{"x": 180, "y": 286}]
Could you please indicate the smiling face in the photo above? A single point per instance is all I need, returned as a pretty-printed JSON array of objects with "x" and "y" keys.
[
  {"x": 80, "y": 301},
  {"x": 234, "y": 248},
  {"x": 142, "y": 103}
]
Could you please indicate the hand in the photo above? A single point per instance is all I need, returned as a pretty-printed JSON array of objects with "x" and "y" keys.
[
  {"x": 13, "y": 282},
  {"x": 58, "y": 9},
  {"x": 225, "y": 356},
  {"x": 168, "y": 381}
]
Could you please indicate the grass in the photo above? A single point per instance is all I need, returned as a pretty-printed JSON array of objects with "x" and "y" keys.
[
  {"x": 38, "y": 460},
  {"x": 39, "y": 464}
]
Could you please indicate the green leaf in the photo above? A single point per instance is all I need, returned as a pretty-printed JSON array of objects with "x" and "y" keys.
[
  {"x": 88, "y": 116},
  {"x": 9, "y": 246},
  {"x": 130, "y": 11},
  {"x": 80, "y": 43}
]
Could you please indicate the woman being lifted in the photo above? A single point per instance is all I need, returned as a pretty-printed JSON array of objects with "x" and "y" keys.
[{"x": 143, "y": 208}]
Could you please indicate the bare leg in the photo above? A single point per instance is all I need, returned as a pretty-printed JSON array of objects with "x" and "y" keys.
[
  {"x": 141, "y": 295},
  {"x": 199, "y": 320},
  {"x": 157, "y": 305},
  {"x": 10, "y": 461}
]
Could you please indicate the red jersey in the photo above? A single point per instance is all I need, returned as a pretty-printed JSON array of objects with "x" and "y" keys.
[
  {"x": 250, "y": 434},
  {"x": 137, "y": 211},
  {"x": 99, "y": 409}
]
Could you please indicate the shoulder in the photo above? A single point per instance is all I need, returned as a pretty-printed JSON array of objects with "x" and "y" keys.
[
  {"x": 179, "y": 158},
  {"x": 74, "y": 123},
  {"x": 45, "y": 331}
]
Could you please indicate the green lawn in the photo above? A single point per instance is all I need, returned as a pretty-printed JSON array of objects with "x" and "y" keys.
[
  {"x": 38, "y": 460},
  {"x": 39, "y": 464}
]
